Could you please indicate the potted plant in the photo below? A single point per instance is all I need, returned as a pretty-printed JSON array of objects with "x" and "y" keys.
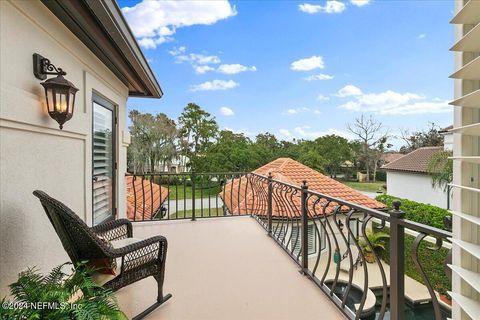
[
  {"x": 377, "y": 241},
  {"x": 59, "y": 296},
  {"x": 443, "y": 294}
]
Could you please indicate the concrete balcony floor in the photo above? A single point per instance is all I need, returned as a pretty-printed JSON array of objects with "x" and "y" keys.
[{"x": 225, "y": 268}]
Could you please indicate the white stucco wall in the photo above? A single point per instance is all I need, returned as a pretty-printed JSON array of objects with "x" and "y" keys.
[
  {"x": 448, "y": 142},
  {"x": 416, "y": 187},
  {"x": 34, "y": 153}
]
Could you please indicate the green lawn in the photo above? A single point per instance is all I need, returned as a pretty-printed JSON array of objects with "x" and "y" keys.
[
  {"x": 180, "y": 192},
  {"x": 198, "y": 213},
  {"x": 366, "y": 186}
]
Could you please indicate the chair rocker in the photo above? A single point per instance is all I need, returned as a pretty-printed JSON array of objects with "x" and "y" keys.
[{"x": 136, "y": 258}]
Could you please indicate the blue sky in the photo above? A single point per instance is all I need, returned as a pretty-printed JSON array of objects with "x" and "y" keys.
[{"x": 299, "y": 69}]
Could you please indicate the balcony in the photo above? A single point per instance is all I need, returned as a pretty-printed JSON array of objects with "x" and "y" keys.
[
  {"x": 226, "y": 268},
  {"x": 237, "y": 242}
]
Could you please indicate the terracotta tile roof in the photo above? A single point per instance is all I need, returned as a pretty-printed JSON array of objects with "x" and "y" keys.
[
  {"x": 245, "y": 198},
  {"x": 415, "y": 161},
  {"x": 391, "y": 156},
  {"x": 160, "y": 194}
]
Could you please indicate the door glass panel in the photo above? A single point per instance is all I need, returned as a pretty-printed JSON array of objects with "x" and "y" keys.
[{"x": 103, "y": 163}]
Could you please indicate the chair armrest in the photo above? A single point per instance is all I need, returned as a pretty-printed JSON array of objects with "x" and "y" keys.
[
  {"x": 114, "y": 230},
  {"x": 148, "y": 251}
]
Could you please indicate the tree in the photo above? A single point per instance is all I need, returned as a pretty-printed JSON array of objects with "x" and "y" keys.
[
  {"x": 379, "y": 149},
  {"x": 440, "y": 168},
  {"x": 427, "y": 138},
  {"x": 311, "y": 157},
  {"x": 290, "y": 149},
  {"x": 335, "y": 150},
  {"x": 370, "y": 134},
  {"x": 231, "y": 152},
  {"x": 267, "y": 147},
  {"x": 198, "y": 129},
  {"x": 153, "y": 140},
  {"x": 325, "y": 154}
]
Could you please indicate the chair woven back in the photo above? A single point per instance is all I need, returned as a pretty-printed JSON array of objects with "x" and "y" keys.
[{"x": 77, "y": 239}]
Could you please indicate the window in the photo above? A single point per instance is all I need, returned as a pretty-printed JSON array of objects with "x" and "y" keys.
[
  {"x": 353, "y": 226},
  {"x": 295, "y": 240},
  {"x": 278, "y": 232}
]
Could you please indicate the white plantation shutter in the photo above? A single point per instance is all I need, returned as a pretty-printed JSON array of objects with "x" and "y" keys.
[
  {"x": 295, "y": 242},
  {"x": 466, "y": 186},
  {"x": 103, "y": 162}
]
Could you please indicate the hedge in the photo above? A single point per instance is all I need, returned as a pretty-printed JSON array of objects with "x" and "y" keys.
[
  {"x": 418, "y": 212},
  {"x": 432, "y": 261}
]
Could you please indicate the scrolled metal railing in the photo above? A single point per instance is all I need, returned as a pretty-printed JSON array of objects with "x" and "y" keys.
[
  {"x": 329, "y": 239},
  {"x": 332, "y": 240}
]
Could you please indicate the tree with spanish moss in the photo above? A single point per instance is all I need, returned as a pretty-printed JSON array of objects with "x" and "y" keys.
[{"x": 153, "y": 141}]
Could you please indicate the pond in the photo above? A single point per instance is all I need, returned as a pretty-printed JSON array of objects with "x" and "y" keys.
[{"x": 412, "y": 312}]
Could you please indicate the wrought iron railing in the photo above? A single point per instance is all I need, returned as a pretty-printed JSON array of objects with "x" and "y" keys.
[
  {"x": 329, "y": 238},
  {"x": 168, "y": 196}
]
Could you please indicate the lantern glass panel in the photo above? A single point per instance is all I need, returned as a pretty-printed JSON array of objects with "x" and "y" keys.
[
  {"x": 60, "y": 101},
  {"x": 50, "y": 102},
  {"x": 71, "y": 102}
]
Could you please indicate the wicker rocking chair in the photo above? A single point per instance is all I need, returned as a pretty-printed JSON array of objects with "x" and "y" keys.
[{"x": 136, "y": 259}]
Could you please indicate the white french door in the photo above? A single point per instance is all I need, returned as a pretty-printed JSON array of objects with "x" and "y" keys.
[{"x": 103, "y": 160}]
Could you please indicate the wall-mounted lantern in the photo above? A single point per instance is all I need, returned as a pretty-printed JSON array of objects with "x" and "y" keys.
[{"x": 59, "y": 92}]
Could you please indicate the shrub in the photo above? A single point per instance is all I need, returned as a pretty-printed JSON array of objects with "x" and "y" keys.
[
  {"x": 381, "y": 175},
  {"x": 418, "y": 212},
  {"x": 432, "y": 261}
]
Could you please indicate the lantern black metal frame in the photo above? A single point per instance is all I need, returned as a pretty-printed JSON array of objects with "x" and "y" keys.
[
  {"x": 43, "y": 67},
  {"x": 59, "y": 92}
]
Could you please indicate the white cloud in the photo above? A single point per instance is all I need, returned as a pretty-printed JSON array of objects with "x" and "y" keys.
[
  {"x": 309, "y": 8},
  {"x": 322, "y": 97},
  {"x": 395, "y": 103},
  {"x": 320, "y": 76},
  {"x": 293, "y": 111},
  {"x": 349, "y": 90},
  {"x": 214, "y": 85},
  {"x": 284, "y": 132},
  {"x": 202, "y": 63},
  {"x": 306, "y": 132},
  {"x": 154, "y": 22},
  {"x": 226, "y": 111},
  {"x": 422, "y": 36},
  {"x": 359, "y": 3},
  {"x": 202, "y": 69},
  {"x": 195, "y": 59},
  {"x": 234, "y": 68},
  {"x": 307, "y": 64},
  {"x": 330, "y": 6},
  {"x": 244, "y": 131}
]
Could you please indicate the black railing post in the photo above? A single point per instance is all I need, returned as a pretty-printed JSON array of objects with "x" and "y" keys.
[
  {"x": 270, "y": 204},
  {"x": 304, "y": 233},
  {"x": 397, "y": 263},
  {"x": 193, "y": 195}
]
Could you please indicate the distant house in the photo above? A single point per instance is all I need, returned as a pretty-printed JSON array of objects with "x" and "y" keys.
[
  {"x": 407, "y": 177},
  {"x": 390, "y": 156},
  {"x": 176, "y": 165}
]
